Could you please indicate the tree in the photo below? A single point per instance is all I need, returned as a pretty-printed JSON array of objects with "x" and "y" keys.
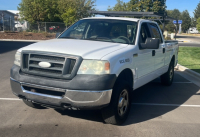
[
  {"x": 73, "y": 10},
  {"x": 169, "y": 24},
  {"x": 67, "y": 11},
  {"x": 140, "y": 5},
  {"x": 197, "y": 12},
  {"x": 185, "y": 17},
  {"x": 198, "y": 24},
  {"x": 119, "y": 6},
  {"x": 131, "y": 5},
  {"x": 193, "y": 22},
  {"x": 175, "y": 14},
  {"x": 38, "y": 10},
  {"x": 158, "y": 6}
]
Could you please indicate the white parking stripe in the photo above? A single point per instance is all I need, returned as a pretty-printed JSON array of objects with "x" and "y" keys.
[
  {"x": 144, "y": 104},
  {"x": 10, "y": 99},
  {"x": 170, "y": 105},
  {"x": 175, "y": 82},
  {"x": 182, "y": 82}
]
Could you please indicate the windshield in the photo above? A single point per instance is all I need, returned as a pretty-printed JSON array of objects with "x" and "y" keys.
[{"x": 107, "y": 30}]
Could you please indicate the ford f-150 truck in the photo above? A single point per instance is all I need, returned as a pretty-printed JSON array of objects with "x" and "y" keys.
[{"x": 95, "y": 67}]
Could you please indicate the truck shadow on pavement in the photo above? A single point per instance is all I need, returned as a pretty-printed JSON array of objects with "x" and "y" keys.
[
  {"x": 152, "y": 93},
  {"x": 92, "y": 115},
  {"x": 6, "y": 46}
]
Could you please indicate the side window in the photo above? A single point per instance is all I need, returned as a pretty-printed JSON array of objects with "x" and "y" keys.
[
  {"x": 156, "y": 32},
  {"x": 144, "y": 33},
  {"x": 131, "y": 32}
]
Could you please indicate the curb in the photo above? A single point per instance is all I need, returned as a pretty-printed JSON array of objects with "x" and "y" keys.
[
  {"x": 21, "y": 40},
  {"x": 187, "y": 70}
]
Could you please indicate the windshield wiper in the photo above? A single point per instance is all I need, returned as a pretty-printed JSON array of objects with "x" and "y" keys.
[
  {"x": 68, "y": 37},
  {"x": 99, "y": 38}
]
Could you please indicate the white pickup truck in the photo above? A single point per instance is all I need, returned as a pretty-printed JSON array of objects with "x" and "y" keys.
[{"x": 95, "y": 67}]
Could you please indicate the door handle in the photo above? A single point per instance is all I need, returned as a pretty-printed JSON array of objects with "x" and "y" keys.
[
  {"x": 163, "y": 50},
  {"x": 153, "y": 52}
]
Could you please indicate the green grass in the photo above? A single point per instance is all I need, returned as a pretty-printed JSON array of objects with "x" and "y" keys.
[{"x": 190, "y": 58}]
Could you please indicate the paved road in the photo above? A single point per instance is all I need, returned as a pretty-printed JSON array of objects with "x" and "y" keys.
[
  {"x": 189, "y": 44},
  {"x": 158, "y": 114},
  {"x": 188, "y": 38}
]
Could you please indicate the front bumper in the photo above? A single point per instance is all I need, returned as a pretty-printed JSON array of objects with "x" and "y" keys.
[
  {"x": 71, "y": 98},
  {"x": 83, "y": 91}
]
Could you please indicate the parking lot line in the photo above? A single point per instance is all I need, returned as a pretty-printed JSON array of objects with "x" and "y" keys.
[
  {"x": 10, "y": 99},
  {"x": 175, "y": 82},
  {"x": 170, "y": 105},
  {"x": 181, "y": 82}
]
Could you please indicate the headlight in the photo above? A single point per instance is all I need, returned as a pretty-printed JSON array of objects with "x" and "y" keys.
[
  {"x": 17, "y": 58},
  {"x": 94, "y": 67}
]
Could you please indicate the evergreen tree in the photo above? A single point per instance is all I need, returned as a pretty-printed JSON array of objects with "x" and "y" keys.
[
  {"x": 198, "y": 24},
  {"x": 140, "y": 6},
  {"x": 197, "y": 12},
  {"x": 185, "y": 17},
  {"x": 193, "y": 22}
]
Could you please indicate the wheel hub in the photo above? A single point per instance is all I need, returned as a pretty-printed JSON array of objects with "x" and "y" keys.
[
  {"x": 123, "y": 102},
  {"x": 171, "y": 74}
]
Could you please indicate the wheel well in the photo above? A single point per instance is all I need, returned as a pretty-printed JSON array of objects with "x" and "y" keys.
[
  {"x": 173, "y": 60},
  {"x": 126, "y": 75}
]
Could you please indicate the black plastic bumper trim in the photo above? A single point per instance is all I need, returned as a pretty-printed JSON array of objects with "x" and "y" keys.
[{"x": 79, "y": 82}]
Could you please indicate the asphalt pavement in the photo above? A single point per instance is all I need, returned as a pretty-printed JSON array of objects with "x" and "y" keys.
[
  {"x": 189, "y": 44},
  {"x": 190, "y": 39},
  {"x": 156, "y": 111}
]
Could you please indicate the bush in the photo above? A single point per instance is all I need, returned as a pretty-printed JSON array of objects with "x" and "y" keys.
[{"x": 168, "y": 38}]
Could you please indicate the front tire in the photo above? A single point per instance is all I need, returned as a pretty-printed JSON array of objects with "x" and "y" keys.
[
  {"x": 167, "y": 78},
  {"x": 117, "y": 111},
  {"x": 33, "y": 105}
]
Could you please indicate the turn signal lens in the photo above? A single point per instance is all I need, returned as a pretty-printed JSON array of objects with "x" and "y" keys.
[{"x": 17, "y": 58}]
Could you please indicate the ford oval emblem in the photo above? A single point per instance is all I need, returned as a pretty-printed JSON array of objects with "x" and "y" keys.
[{"x": 45, "y": 64}]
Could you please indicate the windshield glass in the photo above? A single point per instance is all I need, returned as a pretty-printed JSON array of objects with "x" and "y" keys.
[{"x": 107, "y": 30}]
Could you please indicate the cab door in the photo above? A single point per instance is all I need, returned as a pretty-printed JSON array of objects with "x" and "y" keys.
[
  {"x": 160, "y": 52},
  {"x": 145, "y": 58}
]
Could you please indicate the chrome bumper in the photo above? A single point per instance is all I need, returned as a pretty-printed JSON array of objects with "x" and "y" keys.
[{"x": 71, "y": 98}]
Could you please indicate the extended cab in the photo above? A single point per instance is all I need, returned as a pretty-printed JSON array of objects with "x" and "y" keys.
[{"x": 94, "y": 64}]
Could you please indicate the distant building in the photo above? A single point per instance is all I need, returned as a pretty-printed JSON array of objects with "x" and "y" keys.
[{"x": 7, "y": 20}]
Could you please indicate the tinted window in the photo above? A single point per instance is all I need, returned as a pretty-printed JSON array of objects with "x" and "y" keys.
[
  {"x": 117, "y": 31},
  {"x": 156, "y": 32}
]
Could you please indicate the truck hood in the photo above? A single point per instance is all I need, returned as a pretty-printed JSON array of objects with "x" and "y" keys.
[{"x": 84, "y": 48}]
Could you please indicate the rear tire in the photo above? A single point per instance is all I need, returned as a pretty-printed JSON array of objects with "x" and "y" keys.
[
  {"x": 33, "y": 105},
  {"x": 167, "y": 78},
  {"x": 117, "y": 111}
]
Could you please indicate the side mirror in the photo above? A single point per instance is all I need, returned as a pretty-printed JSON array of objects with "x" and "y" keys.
[
  {"x": 57, "y": 34},
  {"x": 151, "y": 43}
]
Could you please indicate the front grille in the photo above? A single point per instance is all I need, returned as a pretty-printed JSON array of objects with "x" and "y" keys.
[
  {"x": 47, "y": 58},
  {"x": 39, "y": 70},
  {"x": 61, "y": 66}
]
